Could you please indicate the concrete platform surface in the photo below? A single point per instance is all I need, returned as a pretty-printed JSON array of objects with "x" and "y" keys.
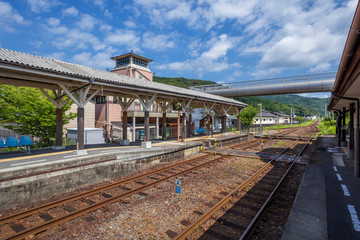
[{"x": 327, "y": 205}]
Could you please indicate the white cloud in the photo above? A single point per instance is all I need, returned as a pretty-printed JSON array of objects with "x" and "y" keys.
[
  {"x": 317, "y": 95},
  {"x": 38, "y": 6},
  {"x": 53, "y": 21},
  {"x": 123, "y": 37},
  {"x": 282, "y": 34},
  {"x": 9, "y": 16},
  {"x": 37, "y": 44},
  {"x": 99, "y": 60},
  {"x": 203, "y": 14},
  {"x": 130, "y": 24},
  {"x": 75, "y": 38},
  {"x": 313, "y": 39},
  {"x": 158, "y": 42},
  {"x": 212, "y": 60},
  {"x": 107, "y": 13},
  {"x": 99, "y": 3},
  {"x": 56, "y": 55},
  {"x": 322, "y": 67},
  {"x": 87, "y": 22},
  {"x": 71, "y": 11},
  {"x": 105, "y": 27},
  {"x": 235, "y": 76}
]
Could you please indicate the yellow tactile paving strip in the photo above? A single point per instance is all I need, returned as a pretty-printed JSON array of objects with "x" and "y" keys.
[{"x": 106, "y": 148}]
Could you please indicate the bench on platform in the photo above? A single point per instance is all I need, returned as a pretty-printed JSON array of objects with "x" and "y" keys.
[{"x": 24, "y": 141}]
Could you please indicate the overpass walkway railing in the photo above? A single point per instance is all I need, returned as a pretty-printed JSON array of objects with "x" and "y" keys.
[{"x": 272, "y": 82}]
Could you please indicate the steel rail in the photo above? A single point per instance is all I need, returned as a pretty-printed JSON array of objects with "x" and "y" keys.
[
  {"x": 186, "y": 232},
  {"x": 60, "y": 202},
  {"x": 252, "y": 225},
  {"x": 255, "y": 140},
  {"x": 95, "y": 206}
]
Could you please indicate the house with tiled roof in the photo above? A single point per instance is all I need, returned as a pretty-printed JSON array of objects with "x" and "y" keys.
[
  {"x": 265, "y": 117},
  {"x": 281, "y": 118}
]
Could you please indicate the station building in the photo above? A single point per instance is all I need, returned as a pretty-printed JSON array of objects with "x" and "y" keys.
[
  {"x": 345, "y": 94},
  {"x": 110, "y": 115},
  {"x": 137, "y": 95}
]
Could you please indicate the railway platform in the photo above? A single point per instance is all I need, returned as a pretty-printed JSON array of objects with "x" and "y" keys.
[
  {"x": 327, "y": 205},
  {"x": 30, "y": 177}
]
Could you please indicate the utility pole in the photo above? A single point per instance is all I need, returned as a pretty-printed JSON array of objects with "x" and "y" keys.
[
  {"x": 325, "y": 111},
  {"x": 260, "y": 118}
]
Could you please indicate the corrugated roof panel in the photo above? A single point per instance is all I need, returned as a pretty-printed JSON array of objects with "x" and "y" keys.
[{"x": 52, "y": 65}]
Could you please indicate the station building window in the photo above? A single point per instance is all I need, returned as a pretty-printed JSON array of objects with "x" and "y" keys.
[
  {"x": 122, "y": 62},
  {"x": 139, "y": 62}
]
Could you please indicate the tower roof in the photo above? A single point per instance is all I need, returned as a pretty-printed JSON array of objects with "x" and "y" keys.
[{"x": 131, "y": 54}]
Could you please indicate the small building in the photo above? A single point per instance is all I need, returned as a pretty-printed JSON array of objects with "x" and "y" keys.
[
  {"x": 89, "y": 119},
  {"x": 281, "y": 118},
  {"x": 265, "y": 117}
]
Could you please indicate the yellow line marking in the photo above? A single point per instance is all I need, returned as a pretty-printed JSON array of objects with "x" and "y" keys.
[
  {"x": 92, "y": 149},
  {"x": 58, "y": 153},
  {"x": 29, "y": 157}
]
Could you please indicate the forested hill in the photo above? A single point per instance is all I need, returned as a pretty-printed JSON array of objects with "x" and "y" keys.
[
  {"x": 182, "y": 82},
  {"x": 309, "y": 102},
  {"x": 303, "y": 106}
]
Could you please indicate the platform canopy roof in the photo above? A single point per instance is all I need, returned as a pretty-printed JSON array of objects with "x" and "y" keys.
[
  {"x": 23, "y": 69},
  {"x": 347, "y": 83}
]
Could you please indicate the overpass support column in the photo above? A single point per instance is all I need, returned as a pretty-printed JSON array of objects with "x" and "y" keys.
[
  {"x": 343, "y": 130},
  {"x": 59, "y": 101},
  {"x": 79, "y": 96},
  {"x": 125, "y": 103},
  {"x": 147, "y": 102}
]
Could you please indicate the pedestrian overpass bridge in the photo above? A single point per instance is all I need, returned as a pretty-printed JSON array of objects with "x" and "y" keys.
[{"x": 321, "y": 82}]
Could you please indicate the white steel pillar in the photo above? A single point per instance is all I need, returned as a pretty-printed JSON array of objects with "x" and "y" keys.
[
  {"x": 134, "y": 129},
  {"x": 157, "y": 128}
]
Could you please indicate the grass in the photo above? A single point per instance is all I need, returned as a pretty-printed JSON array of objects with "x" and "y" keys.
[
  {"x": 327, "y": 126},
  {"x": 280, "y": 126}
]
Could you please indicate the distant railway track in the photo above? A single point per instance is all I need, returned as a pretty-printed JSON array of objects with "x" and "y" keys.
[
  {"x": 274, "y": 138},
  {"x": 239, "y": 211}
]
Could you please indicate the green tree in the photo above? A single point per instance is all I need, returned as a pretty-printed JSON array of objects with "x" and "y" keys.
[
  {"x": 300, "y": 119},
  {"x": 27, "y": 111},
  {"x": 247, "y": 116}
]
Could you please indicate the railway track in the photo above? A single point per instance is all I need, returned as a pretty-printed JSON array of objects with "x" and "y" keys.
[
  {"x": 39, "y": 219},
  {"x": 274, "y": 138},
  {"x": 236, "y": 215}
]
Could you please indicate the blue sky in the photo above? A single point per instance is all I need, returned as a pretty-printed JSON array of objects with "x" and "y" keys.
[{"x": 221, "y": 41}]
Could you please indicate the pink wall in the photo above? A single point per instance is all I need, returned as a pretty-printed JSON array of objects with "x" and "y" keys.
[
  {"x": 133, "y": 73},
  {"x": 124, "y": 71}
]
